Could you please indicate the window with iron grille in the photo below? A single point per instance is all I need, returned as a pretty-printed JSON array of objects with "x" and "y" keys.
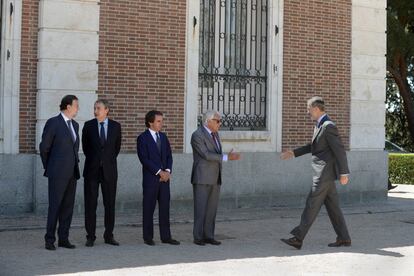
[{"x": 233, "y": 62}]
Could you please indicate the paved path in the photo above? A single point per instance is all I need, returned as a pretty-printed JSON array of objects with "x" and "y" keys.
[{"x": 382, "y": 236}]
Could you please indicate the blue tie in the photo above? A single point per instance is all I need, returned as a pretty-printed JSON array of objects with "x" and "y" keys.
[
  {"x": 158, "y": 142},
  {"x": 102, "y": 134}
]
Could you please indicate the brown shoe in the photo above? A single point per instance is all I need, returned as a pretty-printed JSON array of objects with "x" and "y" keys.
[
  {"x": 339, "y": 243},
  {"x": 295, "y": 242}
]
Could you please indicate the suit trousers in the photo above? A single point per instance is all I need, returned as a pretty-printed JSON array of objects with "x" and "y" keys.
[
  {"x": 91, "y": 193},
  {"x": 153, "y": 192},
  {"x": 206, "y": 198},
  {"x": 61, "y": 195},
  {"x": 322, "y": 193}
]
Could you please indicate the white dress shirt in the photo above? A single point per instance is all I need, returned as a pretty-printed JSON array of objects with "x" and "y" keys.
[{"x": 154, "y": 136}]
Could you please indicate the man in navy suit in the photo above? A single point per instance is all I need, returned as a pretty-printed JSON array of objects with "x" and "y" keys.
[
  {"x": 101, "y": 143},
  {"x": 154, "y": 152},
  {"x": 59, "y": 153}
]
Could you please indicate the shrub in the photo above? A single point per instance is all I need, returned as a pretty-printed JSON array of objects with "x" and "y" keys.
[{"x": 401, "y": 168}]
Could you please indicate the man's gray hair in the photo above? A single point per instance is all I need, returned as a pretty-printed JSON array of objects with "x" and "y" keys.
[
  {"x": 317, "y": 102},
  {"x": 210, "y": 114}
]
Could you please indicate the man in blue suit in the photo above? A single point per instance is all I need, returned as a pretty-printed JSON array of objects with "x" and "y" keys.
[
  {"x": 59, "y": 153},
  {"x": 154, "y": 152}
]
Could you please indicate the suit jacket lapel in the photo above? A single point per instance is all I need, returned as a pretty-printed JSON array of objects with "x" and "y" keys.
[
  {"x": 219, "y": 144},
  {"x": 95, "y": 130},
  {"x": 109, "y": 131},
  {"x": 68, "y": 131},
  {"x": 76, "y": 128},
  {"x": 209, "y": 138},
  {"x": 316, "y": 133},
  {"x": 153, "y": 143}
]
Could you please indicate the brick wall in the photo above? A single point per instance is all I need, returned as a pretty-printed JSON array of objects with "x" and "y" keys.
[
  {"x": 317, "y": 61},
  {"x": 28, "y": 76},
  {"x": 142, "y": 64}
]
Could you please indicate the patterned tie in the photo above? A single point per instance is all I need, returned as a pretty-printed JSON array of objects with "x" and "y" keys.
[
  {"x": 158, "y": 142},
  {"x": 102, "y": 134},
  {"x": 69, "y": 122},
  {"x": 216, "y": 141}
]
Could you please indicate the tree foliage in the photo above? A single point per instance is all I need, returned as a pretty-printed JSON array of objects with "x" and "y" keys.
[{"x": 400, "y": 72}]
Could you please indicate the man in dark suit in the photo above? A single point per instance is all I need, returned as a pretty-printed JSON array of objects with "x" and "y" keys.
[
  {"x": 206, "y": 176},
  {"x": 101, "y": 143},
  {"x": 329, "y": 163},
  {"x": 59, "y": 153},
  {"x": 154, "y": 152}
]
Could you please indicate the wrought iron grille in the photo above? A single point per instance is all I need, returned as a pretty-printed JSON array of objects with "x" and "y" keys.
[{"x": 233, "y": 62}]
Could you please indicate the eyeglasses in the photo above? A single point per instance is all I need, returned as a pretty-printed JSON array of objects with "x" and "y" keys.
[{"x": 218, "y": 121}]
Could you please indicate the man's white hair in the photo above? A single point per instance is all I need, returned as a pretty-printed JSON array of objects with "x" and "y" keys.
[
  {"x": 210, "y": 114},
  {"x": 316, "y": 102}
]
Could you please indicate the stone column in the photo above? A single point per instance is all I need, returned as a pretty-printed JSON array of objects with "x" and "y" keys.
[
  {"x": 368, "y": 75},
  {"x": 68, "y": 55},
  {"x": 10, "y": 76}
]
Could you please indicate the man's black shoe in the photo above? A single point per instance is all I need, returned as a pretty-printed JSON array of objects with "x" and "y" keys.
[
  {"x": 149, "y": 242},
  {"x": 295, "y": 242},
  {"x": 111, "y": 241},
  {"x": 50, "y": 246},
  {"x": 199, "y": 242},
  {"x": 339, "y": 243},
  {"x": 212, "y": 241},
  {"x": 89, "y": 243},
  {"x": 171, "y": 241},
  {"x": 66, "y": 244}
]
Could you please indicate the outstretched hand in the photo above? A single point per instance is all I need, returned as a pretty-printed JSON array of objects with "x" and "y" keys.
[
  {"x": 287, "y": 155},
  {"x": 233, "y": 155}
]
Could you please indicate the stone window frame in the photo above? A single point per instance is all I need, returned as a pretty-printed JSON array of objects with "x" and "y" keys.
[{"x": 246, "y": 141}]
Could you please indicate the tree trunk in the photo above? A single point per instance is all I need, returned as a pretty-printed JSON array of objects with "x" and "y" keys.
[{"x": 399, "y": 73}]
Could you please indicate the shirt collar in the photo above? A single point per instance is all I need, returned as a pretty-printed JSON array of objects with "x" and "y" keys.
[
  {"x": 320, "y": 118},
  {"x": 153, "y": 133},
  {"x": 208, "y": 130},
  {"x": 104, "y": 121},
  {"x": 64, "y": 117}
]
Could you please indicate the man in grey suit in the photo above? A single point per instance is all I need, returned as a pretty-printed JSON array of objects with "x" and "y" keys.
[
  {"x": 206, "y": 176},
  {"x": 328, "y": 162}
]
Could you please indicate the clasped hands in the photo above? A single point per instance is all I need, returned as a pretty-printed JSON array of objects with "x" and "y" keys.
[{"x": 164, "y": 176}]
